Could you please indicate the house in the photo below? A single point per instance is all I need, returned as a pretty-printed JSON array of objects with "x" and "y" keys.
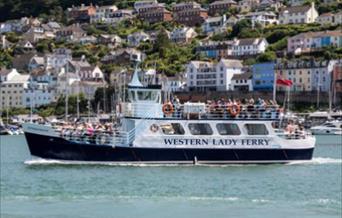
[
  {"x": 88, "y": 88},
  {"x": 136, "y": 38},
  {"x": 213, "y": 49},
  {"x": 325, "y": 19},
  {"x": 80, "y": 14},
  {"x": 242, "y": 82},
  {"x": 296, "y": 2},
  {"x": 54, "y": 26},
  {"x": 337, "y": 79},
  {"x": 103, "y": 14},
  {"x": 264, "y": 18},
  {"x": 7, "y": 74},
  {"x": 183, "y": 35},
  {"x": 13, "y": 90},
  {"x": 70, "y": 33},
  {"x": 139, "y": 4},
  {"x": 189, "y": 13},
  {"x": 263, "y": 75},
  {"x": 338, "y": 18},
  {"x": 123, "y": 56},
  {"x": 83, "y": 70},
  {"x": 298, "y": 14},
  {"x": 274, "y": 5},
  {"x": 24, "y": 46},
  {"x": 58, "y": 58},
  {"x": 36, "y": 62},
  {"x": 232, "y": 20},
  {"x": 109, "y": 40},
  {"x": 173, "y": 84},
  {"x": 34, "y": 34},
  {"x": 21, "y": 62},
  {"x": 313, "y": 41},
  {"x": 38, "y": 94},
  {"x": 153, "y": 13},
  {"x": 4, "y": 43},
  {"x": 210, "y": 76},
  {"x": 307, "y": 75},
  {"x": 249, "y": 46},
  {"x": 248, "y": 5},
  {"x": 221, "y": 7},
  {"x": 214, "y": 25},
  {"x": 121, "y": 14},
  {"x": 86, "y": 40}
]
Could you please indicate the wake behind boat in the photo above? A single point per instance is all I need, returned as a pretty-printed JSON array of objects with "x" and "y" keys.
[{"x": 156, "y": 133}]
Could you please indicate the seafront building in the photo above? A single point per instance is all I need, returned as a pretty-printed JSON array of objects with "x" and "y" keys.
[
  {"x": 205, "y": 75},
  {"x": 263, "y": 75},
  {"x": 307, "y": 75}
]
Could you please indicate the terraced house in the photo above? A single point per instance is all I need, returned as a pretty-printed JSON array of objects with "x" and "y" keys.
[
  {"x": 189, "y": 13},
  {"x": 313, "y": 41}
]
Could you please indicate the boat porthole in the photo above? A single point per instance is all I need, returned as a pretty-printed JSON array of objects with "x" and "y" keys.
[{"x": 154, "y": 128}]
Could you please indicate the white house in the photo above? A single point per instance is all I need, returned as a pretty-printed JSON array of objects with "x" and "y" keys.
[
  {"x": 325, "y": 19},
  {"x": 264, "y": 18},
  {"x": 249, "y": 46},
  {"x": 204, "y": 76},
  {"x": 58, "y": 58},
  {"x": 173, "y": 84},
  {"x": 242, "y": 82},
  {"x": 104, "y": 14},
  {"x": 136, "y": 38},
  {"x": 214, "y": 24},
  {"x": 183, "y": 35},
  {"x": 298, "y": 14},
  {"x": 7, "y": 74}
]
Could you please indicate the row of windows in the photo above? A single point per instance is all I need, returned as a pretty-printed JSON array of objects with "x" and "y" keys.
[
  {"x": 205, "y": 129},
  {"x": 10, "y": 85}
]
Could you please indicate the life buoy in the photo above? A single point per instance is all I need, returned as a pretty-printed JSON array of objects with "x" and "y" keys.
[
  {"x": 234, "y": 109},
  {"x": 154, "y": 128},
  {"x": 168, "y": 109}
]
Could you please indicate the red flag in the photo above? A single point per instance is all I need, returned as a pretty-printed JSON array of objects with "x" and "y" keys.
[{"x": 284, "y": 82}]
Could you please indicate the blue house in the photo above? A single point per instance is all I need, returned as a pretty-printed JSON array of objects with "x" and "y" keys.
[{"x": 263, "y": 76}]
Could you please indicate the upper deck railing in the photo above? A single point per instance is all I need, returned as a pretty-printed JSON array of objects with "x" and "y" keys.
[{"x": 202, "y": 111}]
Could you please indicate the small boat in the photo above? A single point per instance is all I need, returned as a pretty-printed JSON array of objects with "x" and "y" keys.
[
  {"x": 4, "y": 131},
  {"x": 328, "y": 128}
]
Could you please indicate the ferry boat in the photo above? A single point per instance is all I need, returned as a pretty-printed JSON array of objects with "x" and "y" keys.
[{"x": 155, "y": 133}]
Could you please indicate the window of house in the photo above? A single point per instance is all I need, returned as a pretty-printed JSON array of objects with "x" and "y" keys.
[
  {"x": 172, "y": 129},
  {"x": 256, "y": 129},
  {"x": 228, "y": 129},
  {"x": 200, "y": 129}
]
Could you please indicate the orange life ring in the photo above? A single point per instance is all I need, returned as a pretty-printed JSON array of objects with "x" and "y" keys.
[
  {"x": 168, "y": 109},
  {"x": 234, "y": 109}
]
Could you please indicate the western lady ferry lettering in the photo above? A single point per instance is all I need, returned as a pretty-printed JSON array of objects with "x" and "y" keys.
[{"x": 242, "y": 142}]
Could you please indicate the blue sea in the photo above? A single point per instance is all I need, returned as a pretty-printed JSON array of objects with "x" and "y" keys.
[{"x": 40, "y": 188}]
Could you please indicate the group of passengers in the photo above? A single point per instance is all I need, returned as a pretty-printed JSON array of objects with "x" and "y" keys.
[
  {"x": 245, "y": 108},
  {"x": 86, "y": 132}
]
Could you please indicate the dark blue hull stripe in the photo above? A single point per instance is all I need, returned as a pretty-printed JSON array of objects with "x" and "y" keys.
[{"x": 60, "y": 149}]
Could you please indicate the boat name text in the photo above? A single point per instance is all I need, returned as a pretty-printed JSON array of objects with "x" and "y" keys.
[{"x": 240, "y": 142}]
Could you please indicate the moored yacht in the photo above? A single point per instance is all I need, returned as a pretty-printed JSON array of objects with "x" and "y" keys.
[
  {"x": 328, "y": 128},
  {"x": 153, "y": 130}
]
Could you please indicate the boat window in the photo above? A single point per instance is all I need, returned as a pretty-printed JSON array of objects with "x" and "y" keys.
[
  {"x": 200, "y": 129},
  {"x": 256, "y": 129},
  {"x": 147, "y": 95},
  {"x": 172, "y": 129},
  {"x": 228, "y": 129}
]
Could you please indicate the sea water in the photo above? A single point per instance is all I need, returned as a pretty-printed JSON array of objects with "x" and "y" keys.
[{"x": 40, "y": 188}]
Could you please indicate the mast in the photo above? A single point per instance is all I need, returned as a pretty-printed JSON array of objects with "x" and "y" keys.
[
  {"x": 78, "y": 90},
  {"x": 66, "y": 92}
]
